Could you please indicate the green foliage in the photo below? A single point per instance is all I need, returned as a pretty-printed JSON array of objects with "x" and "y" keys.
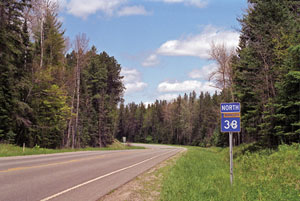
[
  {"x": 54, "y": 42},
  {"x": 188, "y": 120},
  {"x": 287, "y": 108},
  {"x": 102, "y": 89},
  {"x": 13, "y": 46},
  {"x": 37, "y": 88},
  {"x": 266, "y": 55},
  {"x": 40, "y": 86},
  {"x": 203, "y": 174},
  {"x": 51, "y": 117},
  {"x": 269, "y": 175},
  {"x": 149, "y": 139}
]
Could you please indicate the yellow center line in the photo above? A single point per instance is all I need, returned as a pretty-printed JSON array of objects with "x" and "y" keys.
[{"x": 60, "y": 163}]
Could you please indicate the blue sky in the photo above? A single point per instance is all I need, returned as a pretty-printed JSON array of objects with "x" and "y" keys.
[{"x": 162, "y": 45}]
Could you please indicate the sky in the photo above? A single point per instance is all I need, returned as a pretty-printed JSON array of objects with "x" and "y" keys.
[{"x": 162, "y": 45}]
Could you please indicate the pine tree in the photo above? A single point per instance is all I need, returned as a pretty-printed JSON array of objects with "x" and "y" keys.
[
  {"x": 13, "y": 44},
  {"x": 258, "y": 66},
  {"x": 49, "y": 97},
  {"x": 288, "y": 100},
  {"x": 103, "y": 92}
]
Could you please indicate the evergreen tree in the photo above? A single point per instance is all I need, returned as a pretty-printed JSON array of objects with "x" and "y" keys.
[
  {"x": 258, "y": 66},
  {"x": 104, "y": 90},
  {"x": 287, "y": 105},
  {"x": 176, "y": 122},
  {"x": 13, "y": 67},
  {"x": 49, "y": 97}
]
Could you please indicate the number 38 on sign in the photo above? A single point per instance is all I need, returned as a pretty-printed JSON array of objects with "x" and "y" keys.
[{"x": 230, "y": 117}]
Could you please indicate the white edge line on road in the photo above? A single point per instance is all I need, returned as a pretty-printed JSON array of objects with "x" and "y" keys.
[{"x": 106, "y": 175}]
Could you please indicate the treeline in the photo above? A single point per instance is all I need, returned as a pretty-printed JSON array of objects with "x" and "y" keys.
[
  {"x": 263, "y": 74},
  {"x": 188, "y": 120},
  {"x": 266, "y": 71},
  {"x": 52, "y": 96}
]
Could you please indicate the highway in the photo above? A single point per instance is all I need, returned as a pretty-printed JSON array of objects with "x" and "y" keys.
[{"x": 81, "y": 176}]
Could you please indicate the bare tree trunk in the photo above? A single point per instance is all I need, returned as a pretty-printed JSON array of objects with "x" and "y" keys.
[
  {"x": 77, "y": 99},
  {"x": 42, "y": 42},
  {"x": 223, "y": 76},
  {"x": 99, "y": 133},
  {"x": 71, "y": 119},
  {"x": 223, "y": 67},
  {"x": 81, "y": 45},
  {"x": 73, "y": 137},
  {"x": 100, "y": 113},
  {"x": 69, "y": 131},
  {"x": 78, "y": 139}
]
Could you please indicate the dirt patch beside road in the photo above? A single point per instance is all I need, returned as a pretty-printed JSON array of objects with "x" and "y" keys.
[{"x": 146, "y": 187}]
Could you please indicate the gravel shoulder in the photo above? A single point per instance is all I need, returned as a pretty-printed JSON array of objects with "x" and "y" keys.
[{"x": 145, "y": 187}]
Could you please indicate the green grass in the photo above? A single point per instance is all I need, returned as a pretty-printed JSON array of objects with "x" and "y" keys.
[
  {"x": 203, "y": 174},
  {"x": 12, "y": 150}
]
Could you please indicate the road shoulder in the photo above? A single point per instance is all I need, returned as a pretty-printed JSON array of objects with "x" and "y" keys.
[{"x": 146, "y": 186}]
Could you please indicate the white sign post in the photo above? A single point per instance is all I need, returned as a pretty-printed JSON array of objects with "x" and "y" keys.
[
  {"x": 230, "y": 122},
  {"x": 124, "y": 140}
]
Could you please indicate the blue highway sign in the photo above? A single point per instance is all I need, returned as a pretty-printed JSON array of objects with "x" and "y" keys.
[{"x": 230, "y": 117}]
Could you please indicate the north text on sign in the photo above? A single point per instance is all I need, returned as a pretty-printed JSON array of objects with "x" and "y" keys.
[{"x": 230, "y": 107}]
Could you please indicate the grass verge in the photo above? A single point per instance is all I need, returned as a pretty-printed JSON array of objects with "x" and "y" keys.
[
  {"x": 203, "y": 174},
  {"x": 12, "y": 150}
]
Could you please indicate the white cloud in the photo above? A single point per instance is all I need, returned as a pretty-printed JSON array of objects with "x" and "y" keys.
[
  {"x": 186, "y": 86},
  {"x": 133, "y": 10},
  {"x": 168, "y": 97},
  {"x": 195, "y": 45},
  {"x": 152, "y": 60},
  {"x": 199, "y": 45},
  {"x": 204, "y": 72},
  {"x": 130, "y": 75},
  {"x": 197, "y": 3},
  {"x": 132, "y": 80},
  {"x": 171, "y": 90},
  {"x": 135, "y": 87},
  {"x": 147, "y": 103},
  {"x": 85, "y": 8}
]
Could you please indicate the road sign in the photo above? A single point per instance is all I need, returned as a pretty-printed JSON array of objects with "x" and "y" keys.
[
  {"x": 231, "y": 122},
  {"x": 230, "y": 117}
]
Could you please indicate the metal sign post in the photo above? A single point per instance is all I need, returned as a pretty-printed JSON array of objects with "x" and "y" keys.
[
  {"x": 230, "y": 122},
  {"x": 231, "y": 158}
]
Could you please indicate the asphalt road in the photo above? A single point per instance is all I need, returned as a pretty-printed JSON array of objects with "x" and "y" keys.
[{"x": 75, "y": 176}]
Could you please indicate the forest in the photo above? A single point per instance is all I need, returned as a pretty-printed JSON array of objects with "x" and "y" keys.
[{"x": 56, "y": 92}]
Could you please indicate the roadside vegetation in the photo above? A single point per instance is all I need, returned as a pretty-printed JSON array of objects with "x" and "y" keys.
[
  {"x": 13, "y": 150},
  {"x": 203, "y": 174}
]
